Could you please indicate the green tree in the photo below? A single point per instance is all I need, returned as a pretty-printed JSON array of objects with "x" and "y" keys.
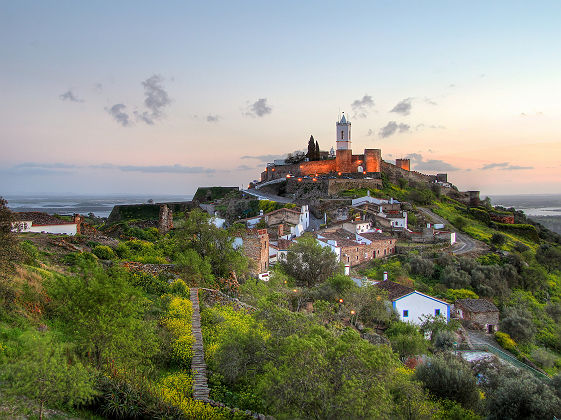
[
  {"x": 311, "y": 155},
  {"x": 214, "y": 245},
  {"x": 317, "y": 152},
  {"x": 518, "y": 324},
  {"x": 104, "y": 314},
  {"x": 310, "y": 263},
  {"x": 460, "y": 222},
  {"x": 44, "y": 373},
  {"x": 522, "y": 396},
  {"x": 448, "y": 376},
  {"x": 549, "y": 256},
  {"x": 406, "y": 339},
  {"x": 498, "y": 239}
]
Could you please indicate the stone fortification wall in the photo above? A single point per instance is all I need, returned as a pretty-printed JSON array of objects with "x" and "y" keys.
[
  {"x": 337, "y": 185},
  {"x": 404, "y": 164},
  {"x": 394, "y": 173},
  {"x": 329, "y": 187},
  {"x": 123, "y": 212}
]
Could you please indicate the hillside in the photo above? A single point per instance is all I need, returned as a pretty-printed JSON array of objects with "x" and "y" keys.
[{"x": 115, "y": 321}]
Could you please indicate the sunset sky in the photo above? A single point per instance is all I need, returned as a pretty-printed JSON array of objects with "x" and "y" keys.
[{"x": 161, "y": 97}]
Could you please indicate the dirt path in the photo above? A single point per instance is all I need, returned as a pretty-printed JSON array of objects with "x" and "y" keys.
[{"x": 464, "y": 243}]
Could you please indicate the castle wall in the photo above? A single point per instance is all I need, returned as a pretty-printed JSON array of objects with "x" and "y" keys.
[
  {"x": 335, "y": 186},
  {"x": 317, "y": 167},
  {"x": 404, "y": 164},
  {"x": 344, "y": 161},
  {"x": 372, "y": 160}
]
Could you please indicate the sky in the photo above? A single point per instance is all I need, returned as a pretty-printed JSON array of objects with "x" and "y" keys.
[{"x": 163, "y": 97}]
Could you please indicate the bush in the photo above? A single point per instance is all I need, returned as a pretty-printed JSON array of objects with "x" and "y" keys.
[
  {"x": 179, "y": 288},
  {"x": 506, "y": 342},
  {"x": 103, "y": 252},
  {"x": 518, "y": 324},
  {"x": 460, "y": 222},
  {"x": 444, "y": 340},
  {"x": 406, "y": 339},
  {"x": 123, "y": 251},
  {"x": 522, "y": 396},
  {"x": 498, "y": 239},
  {"x": 543, "y": 358},
  {"x": 449, "y": 377}
]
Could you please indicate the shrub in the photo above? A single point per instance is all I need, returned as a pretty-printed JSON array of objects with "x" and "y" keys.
[
  {"x": 123, "y": 251},
  {"x": 498, "y": 239},
  {"x": 455, "y": 294},
  {"x": 444, "y": 340},
  {"x": 522, "y": 396},
  {"x": 103, "y": 252},
  {"x": 449, "y": 377},
  {"x": 406, "y": 339},
  {"x": 518, "y": 324},
  {"x": 179, "y": 288},
  {"x": 506, "y": 342},
  {"x": 151, "y": 284},
  {"x": 460, "y": 222},
  {"x": 543, "y": 358},
  {"x": 178, "y": 323}
]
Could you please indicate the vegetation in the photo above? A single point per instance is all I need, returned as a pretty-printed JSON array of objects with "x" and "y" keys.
[{"x": 80, "y": 331}]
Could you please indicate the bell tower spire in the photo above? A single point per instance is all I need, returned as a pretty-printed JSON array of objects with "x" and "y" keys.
[{"x": 343, "y": 134}]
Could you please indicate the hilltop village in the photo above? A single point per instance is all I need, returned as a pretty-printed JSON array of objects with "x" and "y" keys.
[{"x": 337, "y": 285}]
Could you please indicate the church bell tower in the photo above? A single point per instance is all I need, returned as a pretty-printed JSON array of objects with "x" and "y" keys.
[{"x": 343, "y": 134}]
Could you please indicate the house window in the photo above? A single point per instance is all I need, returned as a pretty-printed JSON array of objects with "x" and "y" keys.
[
  {"x": 348, "y": 259},
  {"x": 405, "y": 313},
  {"x": 342, "y": 134},
  {"x": 436, "y": 312},
  {"x": 357, "y": 257}
]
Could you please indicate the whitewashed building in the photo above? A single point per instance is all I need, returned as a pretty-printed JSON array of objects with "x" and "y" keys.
[
  {"x": 34, "y": 221},
  {"x": 411, "y": 305}
]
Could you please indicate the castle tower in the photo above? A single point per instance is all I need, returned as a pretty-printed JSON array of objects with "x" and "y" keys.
[
  {"x": 404, "y": 164},
  {"x": 343, "y": 134}
]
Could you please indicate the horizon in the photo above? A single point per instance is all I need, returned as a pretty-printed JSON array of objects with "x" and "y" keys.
[{"x": 95, "y": 103}]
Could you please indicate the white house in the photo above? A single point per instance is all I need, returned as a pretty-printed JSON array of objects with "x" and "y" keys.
[
  {"x": 411, "y": 305},
  {"x": 34, "y": 221}
]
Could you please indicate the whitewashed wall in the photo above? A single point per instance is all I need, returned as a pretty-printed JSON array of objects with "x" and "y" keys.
[{"x": 419, "y": 305}]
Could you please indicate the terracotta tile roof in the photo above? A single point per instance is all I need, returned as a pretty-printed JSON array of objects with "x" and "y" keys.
[
  {"x": 395, "y": 290},
  {"x": 40, "y": 219},
  {"x": 341, "y": 236},
  {"x": 477, "y": 305},
  {"x": 374, "y": 236}
]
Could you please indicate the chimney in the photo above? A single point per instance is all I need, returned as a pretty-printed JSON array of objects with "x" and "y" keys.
[{"x": 385, "y": 275}]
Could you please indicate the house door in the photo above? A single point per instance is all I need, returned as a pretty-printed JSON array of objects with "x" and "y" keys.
[{"x": 491, "y": 329}]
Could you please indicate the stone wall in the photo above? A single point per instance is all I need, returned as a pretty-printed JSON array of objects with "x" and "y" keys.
[
  {"x": 394, "y": 173},
  {"x": 334, "y": 186},
  {"x": 165, "y": 220},
  {"x": 404, "y": 164},
  {"x": 256, "y": 248},
  {"x": 355, "y": 255}
]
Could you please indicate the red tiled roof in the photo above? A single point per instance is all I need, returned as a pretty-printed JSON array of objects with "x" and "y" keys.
[
  {"x": 375, "y": 237},
  {"x": 395, "y": 290}
]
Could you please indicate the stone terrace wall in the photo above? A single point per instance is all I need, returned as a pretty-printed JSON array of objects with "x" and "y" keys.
[{"x": 212, "y": 297}]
